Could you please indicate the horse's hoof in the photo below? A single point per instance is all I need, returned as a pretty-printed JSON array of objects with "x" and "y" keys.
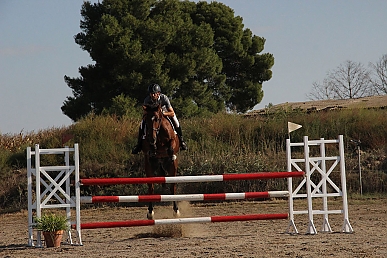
[
  {"x": 176, "y": 214},
  {"x": 150, "y": 215}
]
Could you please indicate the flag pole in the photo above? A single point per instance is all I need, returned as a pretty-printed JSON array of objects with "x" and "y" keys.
[{"x": 289, "y": 132}]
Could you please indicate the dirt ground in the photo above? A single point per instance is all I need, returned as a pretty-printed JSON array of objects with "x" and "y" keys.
[{"x": 265, "y": 238}]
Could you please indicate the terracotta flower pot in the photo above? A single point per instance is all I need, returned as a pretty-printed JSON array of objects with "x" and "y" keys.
[{"x": 54, "y": 238}]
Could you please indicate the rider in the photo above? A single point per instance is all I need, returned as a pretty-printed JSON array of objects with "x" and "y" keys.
[{"x": 155, "y": 97}]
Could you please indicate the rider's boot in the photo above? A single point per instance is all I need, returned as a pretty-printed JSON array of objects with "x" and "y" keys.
[
  {"x": 138, "y": 147},
  {"x": 183, "y": 145}
]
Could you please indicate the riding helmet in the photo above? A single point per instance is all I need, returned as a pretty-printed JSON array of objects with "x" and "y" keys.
[{"x": 153, "y": 88}]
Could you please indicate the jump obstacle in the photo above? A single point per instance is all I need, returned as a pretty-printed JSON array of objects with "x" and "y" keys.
[{"x": 58, "y": 194}]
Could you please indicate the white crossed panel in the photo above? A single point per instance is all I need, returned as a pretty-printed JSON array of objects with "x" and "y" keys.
[
  {"x": 315, "y": 162},
  {"x": 66, "y": 200}
]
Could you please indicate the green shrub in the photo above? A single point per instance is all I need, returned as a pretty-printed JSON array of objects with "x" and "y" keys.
[{"x": 51, "y": 222}]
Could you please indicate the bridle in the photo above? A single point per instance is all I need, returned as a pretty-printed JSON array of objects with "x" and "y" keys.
[
  {"x": 156, "y": 120},
  {"x": 159, "y": 124}
]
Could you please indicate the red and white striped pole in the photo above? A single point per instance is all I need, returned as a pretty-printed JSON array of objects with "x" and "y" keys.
[
  {"x": 184, "y": 197},
  {"x": 137, "y": 223},
  {"x": 190, "y": 179}
]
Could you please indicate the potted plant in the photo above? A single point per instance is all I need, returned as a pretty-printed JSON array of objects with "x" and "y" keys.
[{"x": 52, "y": 225}]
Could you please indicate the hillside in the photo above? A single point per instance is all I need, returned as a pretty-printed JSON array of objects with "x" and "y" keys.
[{"x": 324, "y": 105}]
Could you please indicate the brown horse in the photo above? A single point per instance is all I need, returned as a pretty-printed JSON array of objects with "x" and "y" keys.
[{"x": 160, "y": 147}]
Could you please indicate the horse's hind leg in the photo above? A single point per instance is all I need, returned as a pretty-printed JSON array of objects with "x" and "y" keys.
[
  {"x": 151, "y": 213},
  {"x": 176, "y": 210}
]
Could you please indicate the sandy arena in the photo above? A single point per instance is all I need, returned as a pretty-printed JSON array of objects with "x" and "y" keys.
[{"x": 232, "y": 239}]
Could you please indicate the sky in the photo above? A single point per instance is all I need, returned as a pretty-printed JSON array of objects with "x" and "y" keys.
[{"x": 308, "y": 38}]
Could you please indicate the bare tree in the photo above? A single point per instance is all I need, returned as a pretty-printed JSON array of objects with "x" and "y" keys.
[
  {"x": 321, "y": 91},
  {"x": 380, "y": 71},
  {"x": 349, "y": 80}
]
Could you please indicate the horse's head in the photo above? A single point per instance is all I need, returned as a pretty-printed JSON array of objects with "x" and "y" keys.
[{"x": 152, "y": 117}]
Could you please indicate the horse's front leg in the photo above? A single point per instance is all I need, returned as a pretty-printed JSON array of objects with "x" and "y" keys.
[
  {"x": 151, "y": 213},
  {"x": 171, "y": 153}
]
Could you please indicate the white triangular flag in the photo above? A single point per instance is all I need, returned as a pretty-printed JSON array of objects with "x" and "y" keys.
[{"x": 292, "y": 127}]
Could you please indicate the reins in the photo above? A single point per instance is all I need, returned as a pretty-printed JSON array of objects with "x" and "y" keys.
[{"x": 159, "y": 121}]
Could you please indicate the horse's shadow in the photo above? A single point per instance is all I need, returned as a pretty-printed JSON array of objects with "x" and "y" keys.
[
  {"x": 147, "y": 235},
  {"x": 14, "y": 247}
]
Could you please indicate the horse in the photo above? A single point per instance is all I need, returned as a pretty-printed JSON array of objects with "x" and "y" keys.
[{"x": 160, "y": 146}]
